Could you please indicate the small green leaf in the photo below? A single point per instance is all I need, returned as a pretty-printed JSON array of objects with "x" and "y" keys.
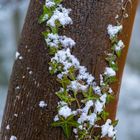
[
  {"x": 65, "y": 97},
  {"x": 114, "y": 39},
  {"x": 90, "y": 95},
  {"x": 114, "y": 123},
  {"x": 96, "y": 137},
  {"x": 104, "y": 115},
  {"x": 113, "y": 65},
  {"x": 43, "y": 18},
  {"x": 47, "y": 13},
  {"x": 55, "y": 67},
  {"x": 109, "y": 79},
  {"x": 64, "y": 81},
  {"x": 98, "y": 118},
  {"x": 54, "y": 30},
  {"x": 58, "y": 1},
  {"x": 111, "y": 58},
  {"x": 52, "y": 50},
  {"x": 73, "y": 123},
  {"x": 72, "y": 73},
  {"x": 66, "y": 124},
  {"x": 112, "y": 79},
  {"x": 113, "y": 47},
  {"x": 67, "y": 130},
  {"x": 82, "y": 134},
  {"x": 45, "y": 33},
  {"x": 57, "y": 123},
  {"x": 109, "y": 98},
  {"x": 90, "y": 91},
  {"x": 119, "y": 53},
  {"x": 63, "y": 124},
  {"x": 58, "y": 24}
]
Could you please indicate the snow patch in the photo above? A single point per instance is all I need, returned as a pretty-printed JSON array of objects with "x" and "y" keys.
[
  {"x": 42, "y": 104},
  {"x": 119, "y": 46},
  {"x": 17, "y": 55},
  {"x": 49, "y": 3},
  {"x": 8, "y": 127},
  {"x": 76, "y": 86},
  {"x": 61, "y": 14},
  {"x": 13, "y": 138},
  {"x": 109, "y": 72},
  {"x": 108, "y": 129},
  {"x": 113, "y": 30},
  {"x": 65, "y": 111},
  {"x": 99, "y": 104}
]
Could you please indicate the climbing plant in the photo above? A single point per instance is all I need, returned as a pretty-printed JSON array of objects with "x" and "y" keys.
[{"x": 82, "y": 105}]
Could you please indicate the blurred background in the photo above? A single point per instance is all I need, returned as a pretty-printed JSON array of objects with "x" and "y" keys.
[{"x": 12, "y": 14}]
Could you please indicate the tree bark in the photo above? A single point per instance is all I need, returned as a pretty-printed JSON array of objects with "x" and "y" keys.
[{"x": 30, "y": 80}]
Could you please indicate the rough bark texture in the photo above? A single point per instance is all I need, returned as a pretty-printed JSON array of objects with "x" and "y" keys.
[{"x": 22, "y": 112}]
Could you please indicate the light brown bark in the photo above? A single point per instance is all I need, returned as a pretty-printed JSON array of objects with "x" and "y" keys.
[{"x": 90, "y": 18}]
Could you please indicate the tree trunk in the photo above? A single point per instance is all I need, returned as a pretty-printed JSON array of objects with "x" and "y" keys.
[{"x": 31, "y": 82}]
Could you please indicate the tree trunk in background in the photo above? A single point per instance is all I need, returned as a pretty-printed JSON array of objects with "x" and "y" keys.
[{"x": 26, "y": 119}]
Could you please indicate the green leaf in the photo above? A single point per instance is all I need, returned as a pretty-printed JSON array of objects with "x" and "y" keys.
[
  {"x": 54, "y": 30},
  {"x": 98, "y": 118},
  {"x": 71, "y": 121},
  {"x": 113, "y": 47},
  {"x": 104, "y": 115},
  {"x": 63, "y": 124},
  {"x": 47, "y": 13},
  {"x": 67, "y": 130},
  {"x": 90, "y": 91},
  {"x": 55, "y": 67},
  {"x": 109, "y": 79},
  {"x": 64, "y": 81},
  {"x": 57, "y": 23},
  {"x": 114, "y": 123},
  {"x": 96, "y": 137},
  {"x": 45, "y": 33},
  {"x": 43, "y": 18},
  {"x": 113, "y": 65},
  {"x": 58, "y": 1},
  {"x": 111, "y": 58},
  {"x": 82, "y": 134},
  {"x": 114, "y": 40},
  {"x": 90, "y": 95},
  {"x": 109, "y": 98},
  {"x": 119, "y": 53},
  {"x": 65, "y": 97},
  {"x": 52, "y": 50},
  {"x": 66, "y": 124},
  {"x": 57, "y": 123},
  {"x": 72, "y": 73},
  {"x": 112, "y": 79}
]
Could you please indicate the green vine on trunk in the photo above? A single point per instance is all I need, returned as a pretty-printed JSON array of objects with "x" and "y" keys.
[{"x": 80, "y": 115}]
